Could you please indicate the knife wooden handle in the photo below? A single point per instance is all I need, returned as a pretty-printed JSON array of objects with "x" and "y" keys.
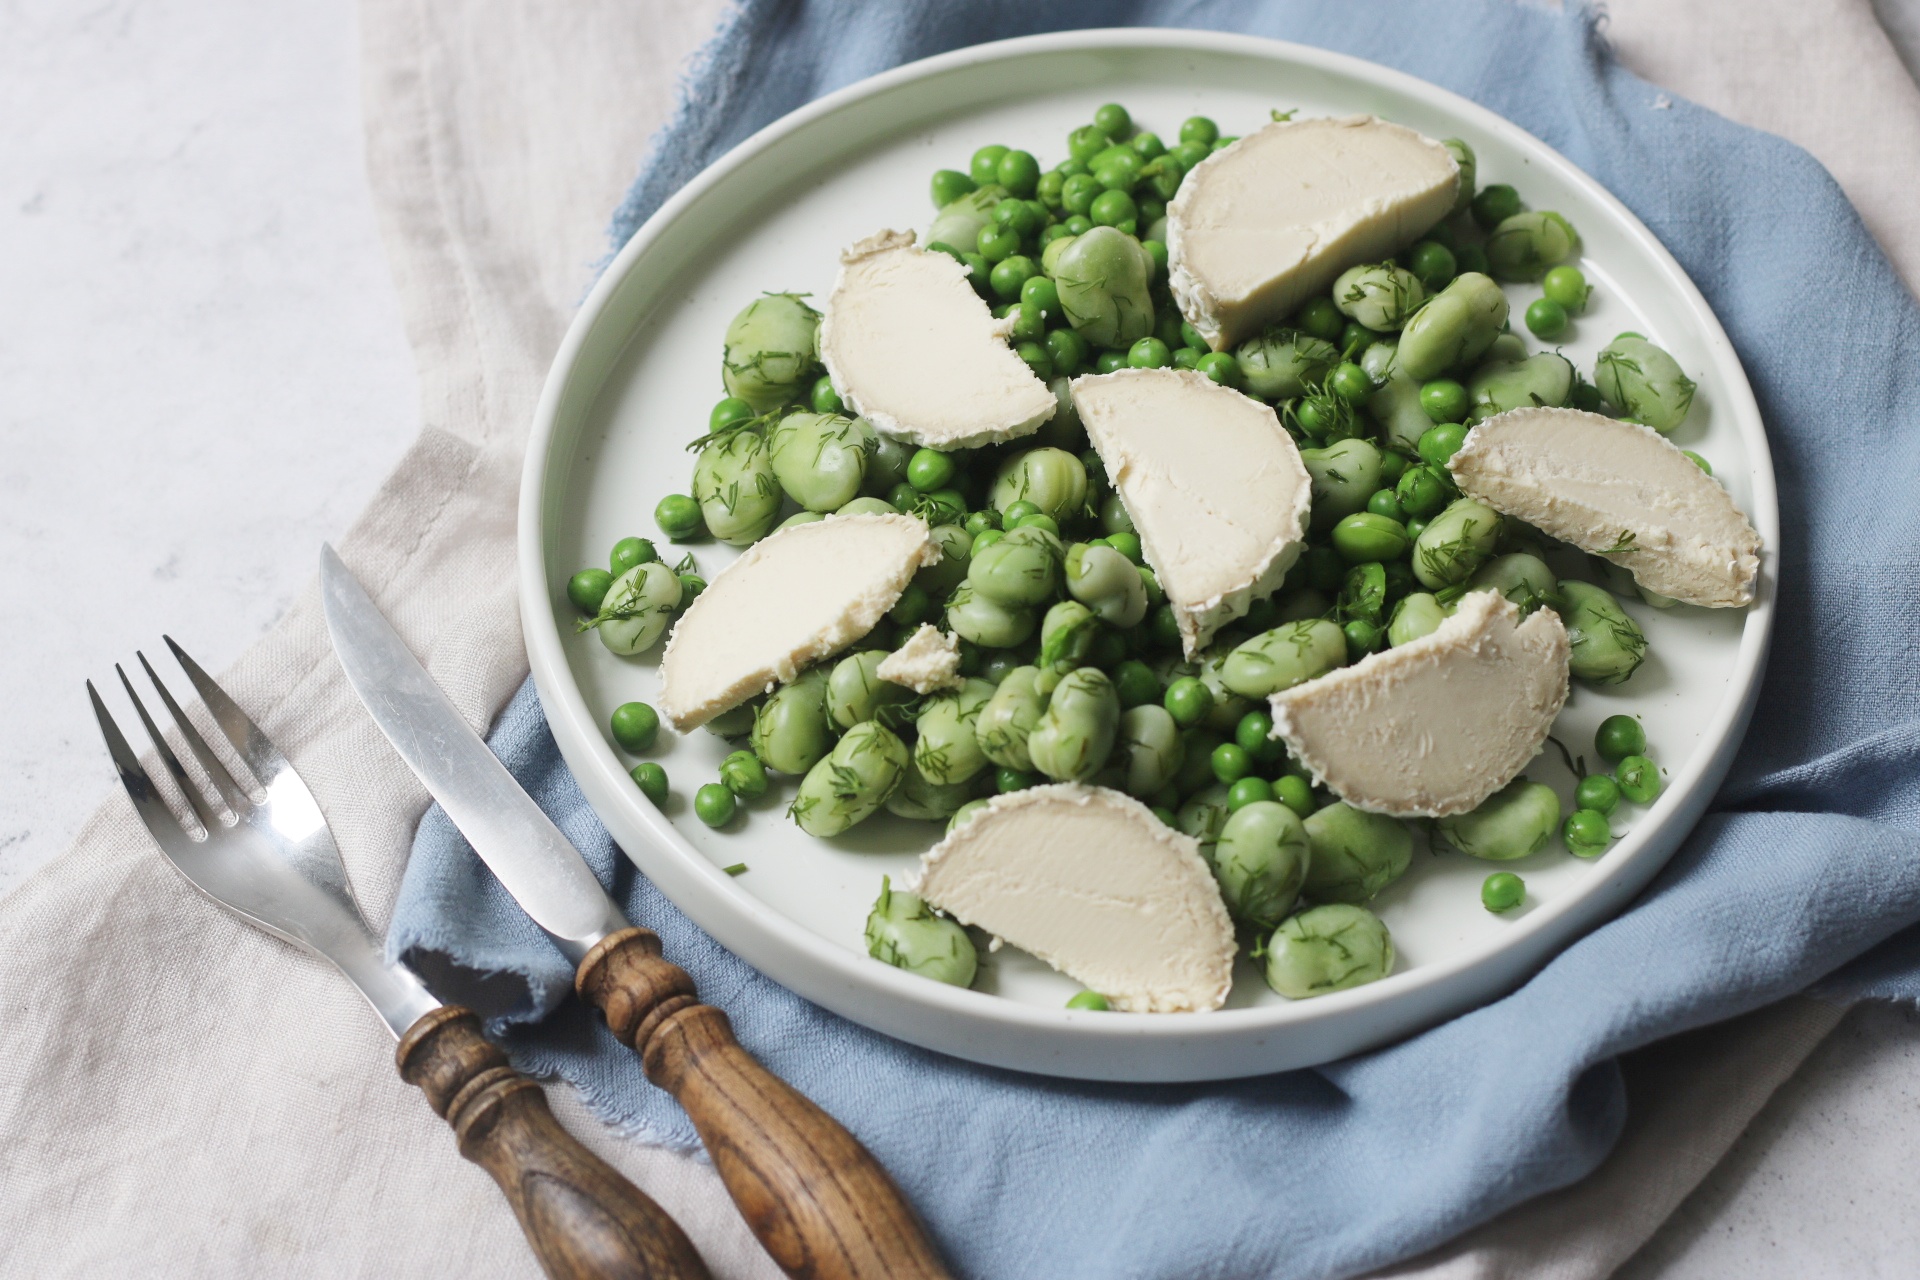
[
  {"x": 816, "y": 1198},
  {"x": 581, "y": 1217}
]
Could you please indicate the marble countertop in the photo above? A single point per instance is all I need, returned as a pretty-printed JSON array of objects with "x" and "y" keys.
[{"x": 203, "y": 374}]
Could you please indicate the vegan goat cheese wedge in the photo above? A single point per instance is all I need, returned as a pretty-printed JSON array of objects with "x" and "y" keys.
[
  {"x": 1214, "y": 485},
  {"x": 1618, "y": 490},
  {"x": 929, "y": 660},
  {"x": 1091, "y": 882},
  {"x": 793, "y": 598},
  {"x": 1262, "y": 226},
  {"x": 910, "y": 345},
  {"x": 1432, "y": 727}
]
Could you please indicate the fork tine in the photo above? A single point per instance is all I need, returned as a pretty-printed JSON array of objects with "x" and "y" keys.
[
  {"x": 146, "y": 798},
  {"x": 188, "y": 787},
  {"x": 247, "y": 738},
  {"x": 224, "y": 782}
]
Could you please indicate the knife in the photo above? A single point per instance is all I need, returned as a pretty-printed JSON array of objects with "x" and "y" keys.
[{"x": 814, "y": 1196}]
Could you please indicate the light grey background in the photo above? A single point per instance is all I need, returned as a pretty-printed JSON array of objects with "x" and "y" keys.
[{"x": 203, "y": 374}]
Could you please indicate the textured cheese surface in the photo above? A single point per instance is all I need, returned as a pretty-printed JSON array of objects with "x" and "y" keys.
[
  {"x": 1261, "y": 227},
  {"x": 1214, "y": 484},
  {"x": 1434, "y": 726},
  {"x": 1091, "y": 882},
  {"x": 794, "y": 597},
  {"x": 914, "y": 349},
  {"x": 1601, "y": 484},
  {"x": 928, "y": 661}
]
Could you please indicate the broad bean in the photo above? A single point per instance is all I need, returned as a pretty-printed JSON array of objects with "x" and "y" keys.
[
  {"x": 1107, "y": 583},
  {"x": 1455, "y": 327},
  {"x": 959, "y": 222},
  {"x": 1150, "y": 748},
  {"x": 1524, "y": 246},
  {"x": 1356, "y": 854},
  {"x": 1469, "y": 170},
  {"x": 1500, "y": 385},
  {"x": 1455, "y": 543},
  {"x": 972, "y": 616},
  {"x": 1328, "y": 948},
  {"x": 947, "y": 751},
  {"x": 735, "y": 485},
  {"x": 855, "y": 691},
  {"x": 1261, "y": 859},
  {"x": 1607, "y": 645},
  {"x": 1009, "y": 717},
  {"x": 793, "y": 730},
  {"x": 1343, "y": 476},
  {"x": 1016, "y": 571},
  {"x": 1204, "y": 814},
  {"x": 1643, "y": 382},
  {"x": 956, "y": 556},
  {"x": 904, "y": 932},
  {"x": 925, "y": 801},
  {"x": 1290, "y": 654},
  {"x": 1103, "y": 277},
  {"x": 886, "y": 465},
  {"x": 1380, "y": 296},
  {"x": 1051, "y": 479},
  {"x": 1419, "y": 614},
  {"x": 1076, "y": 734},
  {"x": 637, "y": 608},
  {"x": 771, "y": 355},
  {"x": 851, "y": 781},
  {"x": 1511, "y": 823},
  {"x": 1395, "y": 402},
  {"x": 1522, "y": 578},
  {"x": 1283, "y": 363},
  {"x": 820, "y": 459}
]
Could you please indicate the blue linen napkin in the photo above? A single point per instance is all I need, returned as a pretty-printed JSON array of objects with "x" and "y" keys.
[{"x": 1809, "y": 858}]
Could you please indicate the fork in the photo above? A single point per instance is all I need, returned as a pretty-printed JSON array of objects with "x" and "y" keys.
[{"x": 260, "y": 849}]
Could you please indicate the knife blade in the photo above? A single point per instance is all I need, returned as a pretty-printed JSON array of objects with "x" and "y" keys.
[{"x": 813, "y": 1195}]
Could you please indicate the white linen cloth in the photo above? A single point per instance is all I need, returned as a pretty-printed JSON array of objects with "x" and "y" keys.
[{"x": 180, "y": 1095}]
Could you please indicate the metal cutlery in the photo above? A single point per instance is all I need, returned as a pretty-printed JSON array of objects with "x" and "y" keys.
[
  {"x": 260, "y": 848},
  {"x": 815, "y": 1197}
]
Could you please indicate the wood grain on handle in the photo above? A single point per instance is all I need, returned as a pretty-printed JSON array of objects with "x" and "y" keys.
[
  {"x": 816, "y": 1198},
  {"x": 581, "y": 1216}
]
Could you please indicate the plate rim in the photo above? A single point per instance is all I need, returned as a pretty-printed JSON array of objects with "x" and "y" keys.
[{"x": 937, "y": 1016}]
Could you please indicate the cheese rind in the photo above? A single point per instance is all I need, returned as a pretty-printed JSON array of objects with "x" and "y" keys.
[
  {"x": 796, "y": 596},
  {"x": 1263, "y": 225},
  {"x": 1602, "y": 484},
  {"x": 929, "y": 661},
  {"x": 1091, "y": 882},
  {"x": 914, "y": 349},
  {"x": 1214, "y": 485},
  {"x": 1434, "y": 726}
]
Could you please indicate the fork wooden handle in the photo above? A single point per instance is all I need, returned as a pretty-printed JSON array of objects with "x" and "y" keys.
[
  {"x": 816, "y": 1198},
  {"x": 581, "y": 1217}
]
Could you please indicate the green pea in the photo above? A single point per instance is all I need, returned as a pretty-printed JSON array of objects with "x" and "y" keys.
[
  {"x": 1078, "y": 193},
  {"x": 1288, "y": 655},
  {"x": 1607, "y": 645},
  {"x": 1525, "y": 245},
  {"x": 1253, "y": 734},
  {"x": 985, "y": 165},
  {"x": 1103, "y": 278},
  {"x": 1188, "y": 700},
  {"x": 678, "y": 517},
  {"x": 948, "y": 751},
  {"x": 1379, "y": 297},
  {"x": 1136, "y": 685},
  {"x": 629, "y": 552},
  {"x": 1110, "y": 361},
  {"x": 1363, "y": 537},
  {"x": 1587, "y": 833},
  {"x": 903, "y": 931},
  {"x": 1699, "y": 461},
  {"x": 1619, "y": 737},
  {"x": 1495, "y": 203},
  {"x": 1441, "y": 441},
  {"x": 1092, "y": 1000},
  {"x": 1502, "y": 891},
  {"x": 1199, "y": 129},
  {"x": 1644, "y": 382},
  {"x": 1455, "y": 543},
  {"x": 635, "y": 726},
  {"x": 587, "y": 588},
  {"x": 1231, "y": 762},
  {"x": 1149, "y": 353},
  {"x": 1113, "y": 208},
  {"x": 1597, "y": 791},
  {"x": 929, "y": 469},
  {"x": 1107, "y": 583},
  {"x": 1568, "y": 287},
  {"x": 1383, "y": 503},
  {"x": 1356, "y": 854},
  {"x": 770, "y": 351},
  {"x": 1546, "y": 318},
  {"x": 1422, "y": 491},
  {"x": 1246, "y": 791},
  {"x": 851, "y": 781},
  {"x": 1469, "y": 169},
  {"x": 1342, "y": 475},
  {"x": 1294, "y": 792},
  {"x": 1076, "y": 734},
  {"x": 1639, "y": 779},
  {"x": 1010, "y": 275},
  {"x": 949, "y": 185},
  {"x": 728, "y": 411},
  {"x": 1150, "y": 749},
  {"x": 1444, "y": 400},
  {"x": 1006, "y": 781},
  {"x": 820, "y": 459},
  {"x": 1328, "y": 948},
  {"x": 1363, "y": 637},
  {"x": 634, "y": 613},
  {"x": 1086, "y": 142},
  {"x": 1499, "y": 385},
  {"x": 1522, "y": 578},
  {"x": 1127, "y": 543},
  {"x": 855, "y": 692},
  {"x": 1053, "y": 480},
  {"x": 1513, "y": 822},
  {"x": 738, "y": 492},
  {"x": 792, "y": 730},
  {"x": 1455, "y": 327},
  {"x": 1020, "y": 569},
  {"x": 714, "y": 805},
  {"x": 1260, "y": 859},
  {"x": 652, "y": 781},
  {"x": 1432, "y": 263},
  {"x": 743, "y": 774}
]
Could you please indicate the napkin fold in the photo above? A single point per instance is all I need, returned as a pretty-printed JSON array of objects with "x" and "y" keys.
[{"x": 1809, "y": 858}]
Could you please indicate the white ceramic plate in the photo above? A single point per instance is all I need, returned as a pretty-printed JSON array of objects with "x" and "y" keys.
[{"x": 640, "y": 368}]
